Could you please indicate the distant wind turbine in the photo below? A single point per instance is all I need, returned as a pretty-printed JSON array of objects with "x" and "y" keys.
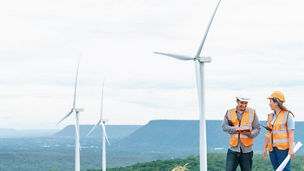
[
  {"x": 104, "y": 133},
  {"x": 199, "y": 68},
  {"x": 76, "y": 110}
]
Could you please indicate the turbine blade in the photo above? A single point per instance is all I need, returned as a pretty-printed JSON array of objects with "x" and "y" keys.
[
  {"x": 94, "y": 128},
  {"x": 206, "y": 32},
  {"x": 101, "y": 105},
  {"x": 75, "y": 88},
  {"x": 67, "y": 115},
  {"x": 104, "y": 132},
  {"x": 180, "y": 57}
]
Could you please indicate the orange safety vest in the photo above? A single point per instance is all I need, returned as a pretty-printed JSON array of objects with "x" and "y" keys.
[
  {"x": 278, "y": 137},
  {"x": 246, "y": 123}
]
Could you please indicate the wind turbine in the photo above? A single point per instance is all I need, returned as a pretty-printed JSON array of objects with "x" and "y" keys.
[
  {"x": 76, "y": 111},
  {"x": 104, "y": 134},
  {"x": 199, "y": 69}
]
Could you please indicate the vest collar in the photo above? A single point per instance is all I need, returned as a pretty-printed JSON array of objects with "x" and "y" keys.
[{"x": 274, "y": 112}]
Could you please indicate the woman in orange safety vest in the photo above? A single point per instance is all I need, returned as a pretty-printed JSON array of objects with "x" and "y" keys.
[{"x": 280, "y": 136}]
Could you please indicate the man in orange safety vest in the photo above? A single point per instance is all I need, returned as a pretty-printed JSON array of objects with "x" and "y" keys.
[{"x": 242, "y": 125}]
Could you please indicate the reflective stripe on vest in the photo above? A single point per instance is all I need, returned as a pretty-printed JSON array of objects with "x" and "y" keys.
[
  {"x": 237, "y": 136},
  {"x": 246, "y": 123},
  {"x": 279, "y": 131},
  {"x": 279, "y": 135}
]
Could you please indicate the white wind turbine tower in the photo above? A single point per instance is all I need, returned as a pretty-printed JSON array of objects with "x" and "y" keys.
[
  {"x": 76, "y": 110},
  {"x": 104, "y": 133},
  {"x": 199, "y": 68}
]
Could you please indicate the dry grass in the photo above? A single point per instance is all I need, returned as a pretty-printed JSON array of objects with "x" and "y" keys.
[{"x": 181, "y": 168}]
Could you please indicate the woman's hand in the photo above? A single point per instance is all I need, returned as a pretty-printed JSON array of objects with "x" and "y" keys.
[
  {"x": 265, "y": 153},
  {"x": 291, "y": 142},
  {"x": 291, "y": 152}
]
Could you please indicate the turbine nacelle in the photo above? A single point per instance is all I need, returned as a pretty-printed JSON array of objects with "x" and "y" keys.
[
  {"x": 79, "y": 109},
  {"x": 206, "y": 59},
  {"x": 203, "y": 59}
]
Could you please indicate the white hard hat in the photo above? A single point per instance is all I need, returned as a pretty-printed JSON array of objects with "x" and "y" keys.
[{"x": 243, "y": 96}]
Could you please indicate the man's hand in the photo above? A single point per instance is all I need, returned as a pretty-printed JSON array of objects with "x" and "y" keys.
[
  {"x": 247, "y": 133},
  {"x": 243, "y": 131},
  {"x": 239, "y": 129}
]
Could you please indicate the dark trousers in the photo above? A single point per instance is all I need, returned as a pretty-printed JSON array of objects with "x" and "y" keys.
[
  {"x": 277, "y": 157},
  {"x": 235, "y": 158}
]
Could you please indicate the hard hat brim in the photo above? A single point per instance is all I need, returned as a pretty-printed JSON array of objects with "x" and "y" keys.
[
  {"x": 243, "y": 99},
  {"x": 270, "y": 97}
]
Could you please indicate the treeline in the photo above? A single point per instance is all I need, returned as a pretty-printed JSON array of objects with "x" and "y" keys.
[{"x": 216, "y": 162}]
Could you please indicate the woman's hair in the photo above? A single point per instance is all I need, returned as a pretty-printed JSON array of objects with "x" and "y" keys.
[{"x": 281, "y": 106}]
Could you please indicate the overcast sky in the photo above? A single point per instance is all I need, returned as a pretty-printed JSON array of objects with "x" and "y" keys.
[{"x": 255, "y": 45}]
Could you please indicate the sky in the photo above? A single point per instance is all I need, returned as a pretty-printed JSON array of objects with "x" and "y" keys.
[{"x": 255, "y": 46}]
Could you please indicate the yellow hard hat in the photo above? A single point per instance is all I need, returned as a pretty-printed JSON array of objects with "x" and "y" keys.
[{"x": 278, "y": 95}]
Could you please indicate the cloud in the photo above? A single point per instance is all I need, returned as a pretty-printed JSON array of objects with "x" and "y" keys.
[{"x": 254, "y": 45}]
